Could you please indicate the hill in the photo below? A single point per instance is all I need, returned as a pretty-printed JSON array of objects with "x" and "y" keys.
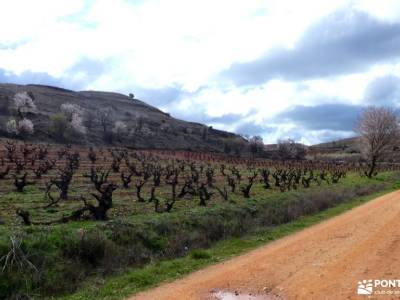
[
  {"x": 348, "y": 150},
  {"x": 343, "y": 144},
  {"x": 339, "y": 150},
  {"x": 146, "y": 126}
]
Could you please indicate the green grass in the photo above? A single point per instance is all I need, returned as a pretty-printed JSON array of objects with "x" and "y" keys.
[
  {"x": 199, "y": 254},
  {"x": 128, "y": 283},
  {"x": 113, "y": 259}
]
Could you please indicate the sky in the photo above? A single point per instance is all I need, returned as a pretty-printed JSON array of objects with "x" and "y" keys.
[{"x": 280, "y": 69}]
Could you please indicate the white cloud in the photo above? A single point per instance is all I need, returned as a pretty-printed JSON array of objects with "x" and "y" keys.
[
  {"x": 385, "y": 10},
  {"x": 156, "y": 44},
  {"x": 312, "y": 137},
  {"x": 24, "y": 20},
  {"x": 348, "y": 89},
  {"x": 267, "y": 100}
]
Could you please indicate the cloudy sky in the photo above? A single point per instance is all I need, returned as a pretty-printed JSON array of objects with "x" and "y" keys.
[{"x": 275, "y": 68}]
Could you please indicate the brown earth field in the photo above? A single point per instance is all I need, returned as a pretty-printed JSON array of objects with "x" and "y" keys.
[{"x": 325, "y": 261}]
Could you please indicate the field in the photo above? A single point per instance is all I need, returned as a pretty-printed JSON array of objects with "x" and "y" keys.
[
  {"x": 70, "y": 214},
  {"x": 58, "y": 178}
]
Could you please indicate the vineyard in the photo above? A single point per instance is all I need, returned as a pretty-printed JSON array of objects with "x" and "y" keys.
[
  {"x": 65, "y": 208},
  {"x": 45, "y": 184}
]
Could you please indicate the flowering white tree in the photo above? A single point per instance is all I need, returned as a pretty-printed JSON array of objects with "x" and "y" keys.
[
  {"x": 119, "y": 129},
  {"x": 77, "y": 124},
  {"x": 25, "y": 127},
  {"x": 21, "y": 128},
  {"x": 23, "y": 104},
  {"x": 70, "y": 110},
  {"x": 74, "y": 116}
]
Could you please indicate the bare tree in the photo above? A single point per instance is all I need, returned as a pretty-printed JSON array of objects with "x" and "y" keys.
[
  {"x": 105, "y": 118},
  {"x": 379, "y": 130},
  {"x": 256, "y": 144},
  {"x": 289, "y": 149},
  {"x": 90, "y": 119}
]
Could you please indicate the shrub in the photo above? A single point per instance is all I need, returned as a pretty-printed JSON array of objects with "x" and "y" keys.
[
  {"x": 199, "y": 254},
  {"x": 59, "y": 126},
  {"x": 12, "y": 127}
]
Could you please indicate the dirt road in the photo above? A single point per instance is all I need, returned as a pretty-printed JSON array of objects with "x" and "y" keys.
[{"x": 325, "y": 261}]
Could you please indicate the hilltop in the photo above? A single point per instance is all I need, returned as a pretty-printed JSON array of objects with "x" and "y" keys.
[{"x": 146, "y": 126}]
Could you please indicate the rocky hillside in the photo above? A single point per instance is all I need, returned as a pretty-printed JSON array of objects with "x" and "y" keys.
[{"x": 146, "y": 126}]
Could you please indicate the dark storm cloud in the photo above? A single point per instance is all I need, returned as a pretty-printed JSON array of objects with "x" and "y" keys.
[
  {"x": 91, "y": 69},
  {"x": 384, "y": 90},
  {"x": 336, "y": 117},
  {"x": 342, "y": 43},
  {"x": 250, "y": 128},
  {"x": 29, "y": 78}
]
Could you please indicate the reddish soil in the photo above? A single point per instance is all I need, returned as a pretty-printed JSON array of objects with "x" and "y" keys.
[{"x": 325, "y": 261}]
